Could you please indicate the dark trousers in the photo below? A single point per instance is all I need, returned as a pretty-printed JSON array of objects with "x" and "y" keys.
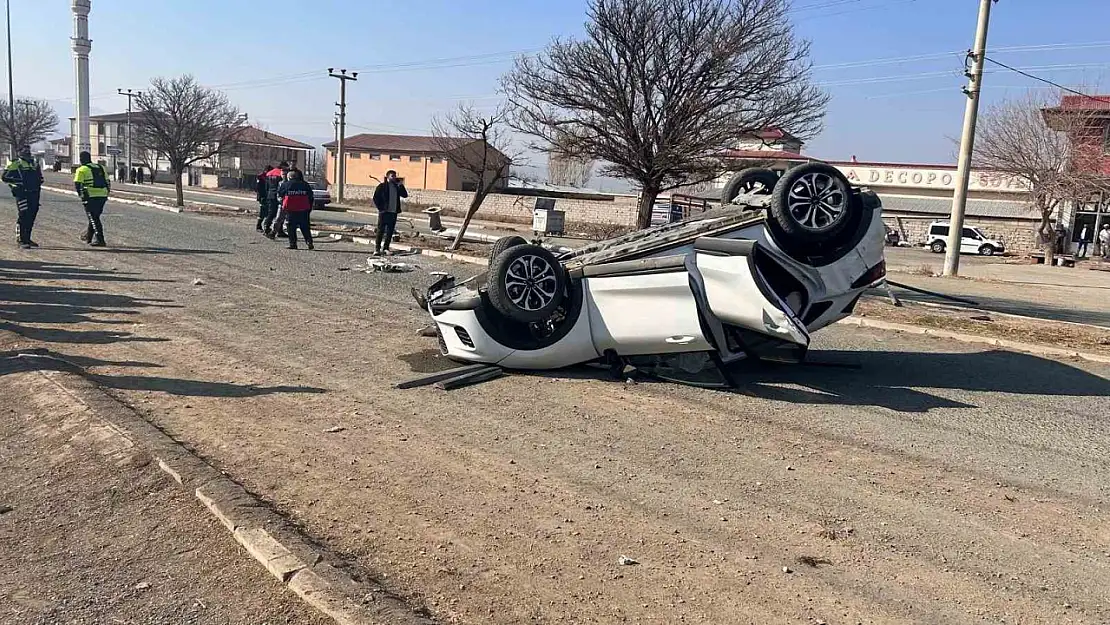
[
  {"x": 94, "y": 208},
  {"x": 387, "y": 224},
  {"x": 27, "y": 205},
  {"x": 271, "y": 214},
  {"x": 263, "y": 210},
  {"x": 298, "y": 220},
  {"x": 1081, "y": 251}
]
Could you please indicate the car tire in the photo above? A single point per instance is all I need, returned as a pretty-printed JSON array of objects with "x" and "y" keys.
[
  {"x": 937, "y": 247},
  {"x": 814, "y": 203},
  {"x": 526, "y": 283},
  {"x": 504, "y": 243},
  {"x": 986, "y": 250},
  {"x": 754, "y": 179}
]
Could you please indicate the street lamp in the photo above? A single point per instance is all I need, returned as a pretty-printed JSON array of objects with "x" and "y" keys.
[{"x": 130, "y": 94}]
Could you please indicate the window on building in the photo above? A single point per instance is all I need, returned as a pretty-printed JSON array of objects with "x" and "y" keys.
[
  {"x": 394, "y": 157},
  {"x": 356, "y": 155},
  {"x": 100, "y": 148},
  {"x": 99, "y": 128},
  {"x": 375, "y": 157},
  {"x": 435, "y": 160},
  {"x": 415, "y": 159}
]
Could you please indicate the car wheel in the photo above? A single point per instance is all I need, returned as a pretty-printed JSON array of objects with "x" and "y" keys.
[
  {"x": 986, "y": 250},
  {"x": 504, "y": 243},
  {"x": 937, "y": 247},
  {"x": 752, "y": 180},
  {"x": 813, "y": 202},
  {"x": 526, "y": 283}
]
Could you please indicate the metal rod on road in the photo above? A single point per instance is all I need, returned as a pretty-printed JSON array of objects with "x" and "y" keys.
[
  {"x": 340, "y": 160},
  {"x": 967, "y": 140}
]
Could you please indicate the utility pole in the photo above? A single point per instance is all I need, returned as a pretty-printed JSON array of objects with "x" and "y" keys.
[
  {"x": 11, "y": 85},
  {"x": 82, "y": 46},
  {"x": 967, "y": 140},
  {"x": 130, "y": 94},
  {"x": 340, "y": 160}
]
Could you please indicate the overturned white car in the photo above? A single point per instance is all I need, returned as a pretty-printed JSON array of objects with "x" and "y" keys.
[{"x": 751, "y": 280}]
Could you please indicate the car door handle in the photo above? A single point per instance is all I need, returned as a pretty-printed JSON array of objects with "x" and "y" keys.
[{"x": 680, "y": 340}]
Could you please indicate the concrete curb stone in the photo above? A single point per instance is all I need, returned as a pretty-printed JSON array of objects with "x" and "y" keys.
[
  {"x": 304, "y": 567},
  {"x": 1038, "y": 350}
]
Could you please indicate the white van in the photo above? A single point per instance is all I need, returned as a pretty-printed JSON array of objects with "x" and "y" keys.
[{"x": 973, "y": 240}]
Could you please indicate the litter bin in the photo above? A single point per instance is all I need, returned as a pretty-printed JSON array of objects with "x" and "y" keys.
[
  {"x": 435, "y": 224},
  {"x": 545, "y": 219}
]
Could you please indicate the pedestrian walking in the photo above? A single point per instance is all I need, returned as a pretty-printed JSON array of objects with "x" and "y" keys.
[
  {"x": 387, "y": 199},
  {"x": 134, "y": 175},
  {"x": 296, "y": 203},
  {"x": 140, "y": 175},
  {"x": 1084, "y": 241},
  {"x": 274, "y": 178},
  {"x": 93, "y": 188},
  {"x": 24, "y": 177},
  {"x": 1104, "y": 240},
  {"x": 260, "y": 195}
]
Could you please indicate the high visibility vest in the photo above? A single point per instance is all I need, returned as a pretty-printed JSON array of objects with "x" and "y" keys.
[{"x": 92, "y": 179}]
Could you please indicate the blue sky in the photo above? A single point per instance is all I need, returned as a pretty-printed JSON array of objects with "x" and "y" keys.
[{"x": 881, "y": 110}]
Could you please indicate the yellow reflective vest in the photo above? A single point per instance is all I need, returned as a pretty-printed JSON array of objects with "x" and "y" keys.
[{"x": 91, "y": 181}]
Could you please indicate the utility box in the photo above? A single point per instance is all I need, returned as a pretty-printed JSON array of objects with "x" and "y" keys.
[{"x": 545, "y": 219}]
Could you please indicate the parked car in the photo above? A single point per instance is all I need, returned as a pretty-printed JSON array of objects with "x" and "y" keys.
[
  {"x": 973, "y": 240},
  {"x": 321, "y": 197},
  {"x": 750, "y": 280}
]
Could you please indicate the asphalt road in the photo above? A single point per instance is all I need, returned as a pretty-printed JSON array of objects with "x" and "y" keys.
[{"x": 941, "y": 482}]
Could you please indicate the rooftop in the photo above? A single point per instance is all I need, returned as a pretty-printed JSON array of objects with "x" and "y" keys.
[
  {"x": 391, "y": 143},
  {"x": 257, "y": 136}
]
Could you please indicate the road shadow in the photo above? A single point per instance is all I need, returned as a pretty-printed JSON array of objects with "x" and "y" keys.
[
  {"x": 1006, "y": 306},
  {"x": 123, "y": 249},
  {"x": 427, "y": 361}
]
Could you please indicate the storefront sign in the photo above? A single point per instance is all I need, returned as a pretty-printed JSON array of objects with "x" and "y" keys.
[{"x": 919, "y": 178}]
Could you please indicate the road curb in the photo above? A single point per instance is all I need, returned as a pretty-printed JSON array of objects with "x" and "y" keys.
[
  {"x": 1037, "y": 350},
  {"x": 317, "y": 576},
  {"x": 170, "y": 209},
  {"x": 350, "y": 238}
]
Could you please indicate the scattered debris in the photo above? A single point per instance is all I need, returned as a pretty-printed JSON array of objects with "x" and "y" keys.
[
  {"x": 333, "y": 430},
  {"x": 428, "y": 331},
  {"x": 1009, "y": 497},
  {"x": 626, "y": 561},
  {"x": 5, "y": 509},
  {"x": 344, "y": 269},
  {"x": 386, "y": 266},
  {"x": 787, "y": 570},
  {"x": 142, "y": 586},
  {"x": 833, "y": 533},
  {"x": 980, "y": 318},
  {"x": 198, "y": 282},
  {"x": 812, "y": 561}
]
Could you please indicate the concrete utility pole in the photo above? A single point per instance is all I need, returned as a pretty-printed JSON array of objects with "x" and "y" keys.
[
  {"x": 130, "y": 94},
  {"x": 11, "y": 86},
  {"x": 340, "y": 160},
  {"x": 82, "y": 45},
  {"x": 967, "y": 141}
]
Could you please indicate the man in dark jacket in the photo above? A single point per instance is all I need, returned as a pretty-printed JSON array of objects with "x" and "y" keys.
[
  {"x": 274, "y": 178},
  {"x": 387, "y": 199},
  {"x": 260, "y": 195},
  {"x": 24, "y": 176},
  {"x": 296, "y": 202}
]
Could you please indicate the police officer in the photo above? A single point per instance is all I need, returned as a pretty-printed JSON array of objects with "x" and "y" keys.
[
  {"x": 296, "y": 203},
  {"x": 93, "y": 188},
  {"x": 24, "y": 176},
  {"x": 261, "y": 188}
]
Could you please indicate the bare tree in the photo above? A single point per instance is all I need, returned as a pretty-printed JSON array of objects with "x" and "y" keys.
[
  {"x": 1053, "y": 149},
  {"x": 186, "y": 122},
  {"x": 478, "y": 144},
  {"x": 34, "y": 121},
  {"x": 657, "y": 89},
  {"x": 569, "y": 171}
]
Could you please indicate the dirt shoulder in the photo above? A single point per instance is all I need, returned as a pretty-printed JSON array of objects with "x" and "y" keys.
[
  {"x": 96, "y": 534},
  {"x": 1036, "y": 332}
]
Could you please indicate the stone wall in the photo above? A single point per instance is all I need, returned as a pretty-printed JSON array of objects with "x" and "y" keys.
[
  {"x": 1019, "y": 235},
  {"x": 620, "y": 210}
]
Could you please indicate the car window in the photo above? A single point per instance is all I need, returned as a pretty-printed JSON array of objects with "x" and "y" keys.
[
  {"x": 939, "y": 231},
  {"x": 968, "y": 233}
]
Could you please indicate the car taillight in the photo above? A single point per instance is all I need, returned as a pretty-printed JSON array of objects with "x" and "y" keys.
[{"x": 873, "y": 275}]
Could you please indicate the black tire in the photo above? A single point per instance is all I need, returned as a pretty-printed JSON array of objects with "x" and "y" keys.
[
  {"x": 504, "y": 243},
  {"x": 526, "y": 283},
  {"x": 748, "y": 180},
  {"x": 986, "y": 250},
  {"x": 937, "y": 247},
  {"x": 814, "y": 203}
]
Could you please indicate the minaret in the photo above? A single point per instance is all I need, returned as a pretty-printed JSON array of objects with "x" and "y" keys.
[{"x": 82, "y": 45}]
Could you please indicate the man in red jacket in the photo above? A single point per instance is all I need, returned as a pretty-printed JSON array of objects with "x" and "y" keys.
[{"x": 296, "y": 202}]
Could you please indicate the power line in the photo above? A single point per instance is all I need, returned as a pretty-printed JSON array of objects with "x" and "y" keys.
[{"x": 1047, "y": 81}]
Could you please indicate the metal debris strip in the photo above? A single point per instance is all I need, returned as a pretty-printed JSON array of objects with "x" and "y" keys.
[{"x": 384, "y": 265}]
